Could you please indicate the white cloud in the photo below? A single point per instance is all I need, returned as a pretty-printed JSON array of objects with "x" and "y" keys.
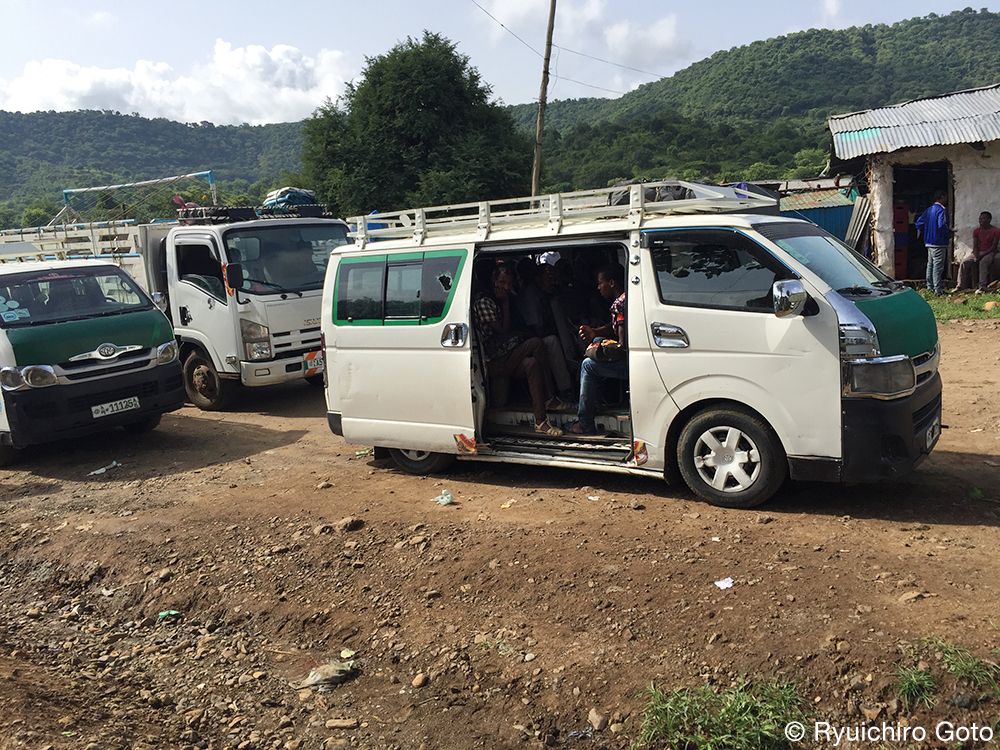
[
  {"x": 655, "y": 46},
  {"x": 831, "y": 13},
  {"x": 238, "y": 84}
]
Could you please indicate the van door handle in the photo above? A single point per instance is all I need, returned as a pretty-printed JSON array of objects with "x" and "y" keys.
[
  {"x": 453, "y": 335},
  {"x": 667, "y": 336},
  {"x": 185, "y": 315}
]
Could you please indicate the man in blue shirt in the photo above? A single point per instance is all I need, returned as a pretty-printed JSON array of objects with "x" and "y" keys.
[{"x": 933, "y": 227}]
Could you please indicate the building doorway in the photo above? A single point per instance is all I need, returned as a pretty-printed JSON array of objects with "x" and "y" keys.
[{"x": 914, "y": 189}]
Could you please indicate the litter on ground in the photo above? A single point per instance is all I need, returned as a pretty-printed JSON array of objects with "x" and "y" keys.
[
  {"x": 103, "y": 469},
  {"x": 725, "y": 583}
]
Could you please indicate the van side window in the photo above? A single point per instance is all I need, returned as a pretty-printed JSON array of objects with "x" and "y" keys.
[
  {"x": 197, "y": 265},
  {"x": 360, "y": 287},
  {"x": 414, "y": 290},
  {"x": 402, "y": 290},
  {"x": 714, "y": 268}
]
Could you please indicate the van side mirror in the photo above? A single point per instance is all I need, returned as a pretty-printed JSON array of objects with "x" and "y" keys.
[
  {"x": 234, "y": 275},
  {"x": 790, "y": 298}
]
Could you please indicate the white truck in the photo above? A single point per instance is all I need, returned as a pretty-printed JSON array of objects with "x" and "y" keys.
[{"x": 243, "y": 294}]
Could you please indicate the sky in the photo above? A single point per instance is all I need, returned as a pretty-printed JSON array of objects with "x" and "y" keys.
[{"x": 259, "y": 62}]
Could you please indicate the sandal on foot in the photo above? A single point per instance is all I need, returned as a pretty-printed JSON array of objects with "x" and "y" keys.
[
  {"x": 577, "y": 428},
  {"x": 547, "y": 429}
]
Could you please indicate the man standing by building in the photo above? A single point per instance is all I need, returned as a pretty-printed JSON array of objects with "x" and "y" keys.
[
  {"x": 985, "y": 238},
  {"x": 933, "y": 227}
]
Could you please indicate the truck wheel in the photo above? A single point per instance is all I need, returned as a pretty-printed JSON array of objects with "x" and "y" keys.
[
  {"x": 205, "y": 389},
  {"x": 8, "y": 455},
  {"x": 421, "y": 462},
  {"x": 142, "y": 426},
  {"x": 731, "y": 458},
  {"x": 316, "y": 380}
]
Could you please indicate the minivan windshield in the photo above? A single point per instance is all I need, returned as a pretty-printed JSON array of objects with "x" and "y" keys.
[
  {"x": 829, "y": 258},
  {"x": 284, "y": 258},
  {"x": 56, "y": 295}
]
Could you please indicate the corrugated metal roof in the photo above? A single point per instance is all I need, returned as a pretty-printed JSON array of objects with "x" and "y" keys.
[
  {"x": 829, "y": 198},
  {"x": 960, "y": 117}
]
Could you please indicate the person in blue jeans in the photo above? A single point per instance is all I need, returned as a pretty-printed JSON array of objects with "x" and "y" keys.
[
  {"x": 611, "y": 286},
  {"x": 933, "y": 227}
]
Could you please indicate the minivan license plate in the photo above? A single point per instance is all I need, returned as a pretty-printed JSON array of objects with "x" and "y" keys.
[
  {"x": 114, "y": 407},
  {"x": 933, "y": 433}
]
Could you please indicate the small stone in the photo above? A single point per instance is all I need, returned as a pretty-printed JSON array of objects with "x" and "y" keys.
[
  {"x": 617, "y": 728},
  {"x": 912, "y": 596},
  {"x": 871, "y": 712},
  {"x": 419, "y": 681},
  {"x": 479, "y": 639},
  {"x": 529, "y": 656},
  {"x": 348, "y": 524},
  {"x": 576, "y": 692},
  {"x": 323, "y": 528},
  {"x": 341, "y": 724},
  {"x": 33, "y": 613},
  {"x": 597, "y": 720},
  {"x": 417, "y": 540},
  {"x": 843, "y": 647},
  {"x": 324, "y": 485},
  {"x": 165, "y": 574}
]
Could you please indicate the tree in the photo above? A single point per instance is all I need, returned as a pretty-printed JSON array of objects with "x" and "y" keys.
[{"x": 419, "y": 128}]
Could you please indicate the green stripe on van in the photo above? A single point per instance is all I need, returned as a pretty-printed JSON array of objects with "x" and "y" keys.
[
  {"x": 904, "y": 322},
  {"x": 53, "y": 343}
]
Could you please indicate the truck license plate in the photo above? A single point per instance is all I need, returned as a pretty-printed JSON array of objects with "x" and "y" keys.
[
  {"x": 114, "y": 407},
  {"x": 933, "y": 433},
  {"x": 313, "y": 363}
]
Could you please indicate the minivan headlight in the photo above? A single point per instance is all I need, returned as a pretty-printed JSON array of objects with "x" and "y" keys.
[
  {"x": 166, "y": 353},
  {"x": 39, "y": 376},
  {"x": 881, "y": 377},
  {"x": 11, "y": 379}
]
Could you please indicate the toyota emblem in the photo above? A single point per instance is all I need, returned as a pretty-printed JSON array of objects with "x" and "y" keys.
[{"x": 107, "y": 351}]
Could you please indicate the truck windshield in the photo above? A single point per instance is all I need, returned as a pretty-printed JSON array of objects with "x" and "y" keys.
[
  {"x": 829, "y": 258},
  {"x": 289, "y": 258},
  {"x": 56, "y": 295}
]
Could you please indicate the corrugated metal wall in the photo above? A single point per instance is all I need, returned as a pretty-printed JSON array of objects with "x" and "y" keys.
[{"x": 834, "y": 220}]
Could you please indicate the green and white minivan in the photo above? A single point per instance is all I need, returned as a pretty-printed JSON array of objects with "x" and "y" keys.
[
  {"x": 82, "y": 349},
  {"x": 759, "y": 347}
]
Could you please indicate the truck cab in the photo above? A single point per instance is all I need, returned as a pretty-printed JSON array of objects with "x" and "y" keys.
[{"x": 82, "y": 349}]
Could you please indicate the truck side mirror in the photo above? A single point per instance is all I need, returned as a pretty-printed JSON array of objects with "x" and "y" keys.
[
  {"x": 790, "y": 298},
  {"x": 160, "y": 300},
  {"x": 234, "y": 275}
]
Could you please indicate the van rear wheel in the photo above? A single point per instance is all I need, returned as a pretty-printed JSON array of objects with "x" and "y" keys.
[
  {"x": 8, "y": 455},
  {"x": 205, "y": 388},
  {"x": 421, "y": 462},
  {"x": 731, "y": 458}
]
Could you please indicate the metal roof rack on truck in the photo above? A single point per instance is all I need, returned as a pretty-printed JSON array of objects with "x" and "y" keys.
[
  {"x": 625, "y": 206},
  {"x": 62, "y": 241},
  {"x": 229, "y": 214}
]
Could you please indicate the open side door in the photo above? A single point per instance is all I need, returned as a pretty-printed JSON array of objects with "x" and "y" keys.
[{"x": 400, "y": 349}]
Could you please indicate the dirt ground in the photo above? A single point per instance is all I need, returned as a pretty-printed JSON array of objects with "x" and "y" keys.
[{"x": 500, "y": 621}]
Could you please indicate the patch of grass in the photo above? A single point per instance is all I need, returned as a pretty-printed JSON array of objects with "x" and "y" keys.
[
  {"x": 915, "y": 686},
  {"x": 962, "y": 306},
  {"x": 746, "y": 717},
  {"x": 965, "y": 667}
]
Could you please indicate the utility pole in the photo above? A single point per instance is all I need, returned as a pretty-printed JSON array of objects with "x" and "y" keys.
[{"x": 536, "y": 168}]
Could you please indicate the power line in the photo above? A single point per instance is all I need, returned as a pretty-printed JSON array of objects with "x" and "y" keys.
[
  {"x": 506, "y": 29},
  {"x": 611, "y": 62},
  {"x": 558, "y": 77}
]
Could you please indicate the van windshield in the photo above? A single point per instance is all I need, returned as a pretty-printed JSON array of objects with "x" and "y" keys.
[
  {"x": 61, "y": 294},
  {"x": 829, "y": 258},
  {"x": 289, "y": 258}
]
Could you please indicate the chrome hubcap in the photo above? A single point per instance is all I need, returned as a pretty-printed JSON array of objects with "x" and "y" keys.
[{"x": 727, "y": 459}]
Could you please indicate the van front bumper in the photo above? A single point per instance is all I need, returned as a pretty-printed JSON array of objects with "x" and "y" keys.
[
  {"x": 274, "y": 371},
  {"x": 888, "y": 439},
  {"x": 41, "y": 415}
]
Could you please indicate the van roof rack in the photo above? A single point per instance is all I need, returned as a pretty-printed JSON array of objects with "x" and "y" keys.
[{"x": 629, "y": 205}]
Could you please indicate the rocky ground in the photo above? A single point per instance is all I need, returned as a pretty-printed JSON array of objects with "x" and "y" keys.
[{"x": 184, "y": 597}]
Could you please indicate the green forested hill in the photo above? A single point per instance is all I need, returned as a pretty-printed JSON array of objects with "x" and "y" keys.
[
  {"x": 748, "y": 113},
  {"x": 43, "y": 152},
  {"x": 814, "y": 72}
]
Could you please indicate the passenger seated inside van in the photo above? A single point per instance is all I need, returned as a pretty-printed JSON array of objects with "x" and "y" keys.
[
  {"x": 604, "y": 359},
  {"x": 511, "y": 353},
  {"x": 534, "y": 310}
]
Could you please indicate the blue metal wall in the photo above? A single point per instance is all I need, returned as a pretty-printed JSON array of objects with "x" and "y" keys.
[{"x": 835, "y": 220}]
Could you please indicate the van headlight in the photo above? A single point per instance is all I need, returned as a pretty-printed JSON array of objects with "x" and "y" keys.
[
  {"x": 166, "y": 353},
  {"x": 39, "y": 376},
  {"x": 256, "y": 339},
  {"x": 11, "y": 379},
  {"x": 880, "y": 377},
  {"x": 857, "y": 342}
]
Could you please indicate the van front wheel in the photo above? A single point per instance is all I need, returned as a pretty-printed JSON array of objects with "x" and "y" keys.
[
  {"x": 731, "y": 458},
  {"x": 421, "y": 462}
]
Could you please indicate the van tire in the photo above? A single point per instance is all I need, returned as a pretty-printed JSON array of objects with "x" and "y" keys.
[
  {"x": 708, "y": 434},
  {"x": 143, "y": 425},
  {"x": 421, "y": 462},
  {"x": 8, "y": 455},
  {"x": 205, "y": 388},
  {"x": 316, "y": 380}
]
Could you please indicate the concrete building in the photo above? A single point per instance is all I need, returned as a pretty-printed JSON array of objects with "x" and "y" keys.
[{"x": 906, "y": 153}]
